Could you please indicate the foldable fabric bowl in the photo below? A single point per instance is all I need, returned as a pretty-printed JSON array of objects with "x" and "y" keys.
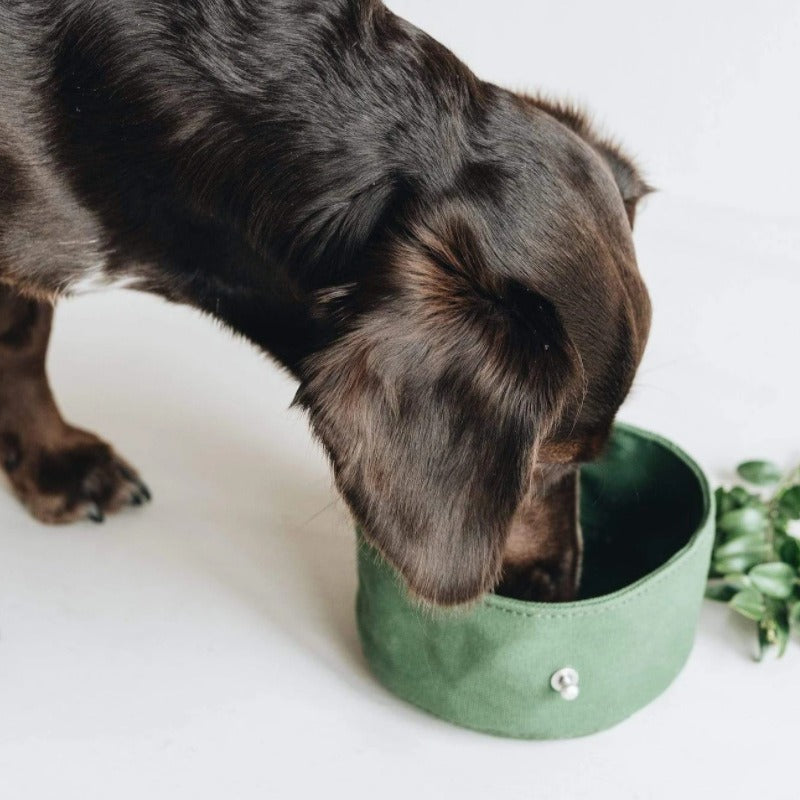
[{"x": 551, "y": 671}]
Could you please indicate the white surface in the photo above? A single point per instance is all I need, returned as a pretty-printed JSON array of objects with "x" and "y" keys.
[{"x": 205, "y": 647}]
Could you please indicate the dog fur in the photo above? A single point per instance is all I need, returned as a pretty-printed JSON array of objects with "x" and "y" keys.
[{"x": 446, "y": 267}]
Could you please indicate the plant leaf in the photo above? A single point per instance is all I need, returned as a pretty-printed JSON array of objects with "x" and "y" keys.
[
  {"x": 735, "y": 564},
  {"x": 784, "y": 632},
  {"x": 720, "y": 593},
  {"x": 738, "y": 581},
  {"x": 749, "y": 603},
  {"x": 790, "y": 552},
  {"x": 760, "y": 473},
  {"x": 774, "y": 580},
  {"x": 740, "y": 496},
  {"x": 780, "y": 523},
  {"x": 743, "y": 521},
  {"x": 794, "y": 614},
  {"x": 790, "y": 502},
  {"x": 725, "y": 502},
  {"x": 763, "y": 642},
  {"x": 749, "y": 544}
]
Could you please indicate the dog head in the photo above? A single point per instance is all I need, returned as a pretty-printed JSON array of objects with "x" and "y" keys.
[{"x": 490, "y": 344}]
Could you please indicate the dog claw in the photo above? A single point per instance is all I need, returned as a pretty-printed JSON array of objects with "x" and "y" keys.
[
  {"x": 140, "y": 493},
  {"x": 96, "y": 514}
]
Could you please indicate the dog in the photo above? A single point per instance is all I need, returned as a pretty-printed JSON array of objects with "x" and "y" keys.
[{"x": 446, "y": 267}]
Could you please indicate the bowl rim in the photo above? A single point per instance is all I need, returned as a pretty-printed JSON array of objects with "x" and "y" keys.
[{"x": 607, "y": 602}]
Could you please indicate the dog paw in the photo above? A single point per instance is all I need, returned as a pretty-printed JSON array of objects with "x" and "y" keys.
[{"x": 77, "y": 477}]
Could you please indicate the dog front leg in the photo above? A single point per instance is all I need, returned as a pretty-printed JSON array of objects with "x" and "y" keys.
[{"x": 59, "y": 472}]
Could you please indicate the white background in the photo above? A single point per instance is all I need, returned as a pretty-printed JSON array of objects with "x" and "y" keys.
[{"x": 205, "y": 646}]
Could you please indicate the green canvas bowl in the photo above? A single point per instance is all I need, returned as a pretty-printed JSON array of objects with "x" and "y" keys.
[{"x": 512, "y": 668}]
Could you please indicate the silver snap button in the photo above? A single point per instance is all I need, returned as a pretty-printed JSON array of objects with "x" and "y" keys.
[{"x": 566, "y": 682}]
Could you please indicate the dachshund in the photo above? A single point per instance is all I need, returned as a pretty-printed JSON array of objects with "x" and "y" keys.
[{"x": 446, "y": 267}]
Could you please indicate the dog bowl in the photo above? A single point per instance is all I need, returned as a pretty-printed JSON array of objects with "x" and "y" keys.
[{"x": 552, "y": 671}]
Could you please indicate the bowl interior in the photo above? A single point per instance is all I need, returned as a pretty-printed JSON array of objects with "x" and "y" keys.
[{"x": 640, "y": 505}]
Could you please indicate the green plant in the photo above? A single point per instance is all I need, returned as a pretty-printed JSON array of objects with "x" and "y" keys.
[{"x": 756, "y": 562}]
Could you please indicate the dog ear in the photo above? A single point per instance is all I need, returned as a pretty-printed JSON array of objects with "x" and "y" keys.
[
  {"x": 627, "y": 175},
  {"x": 431, "y": 408},
  {"x": 632, "y": 185}
]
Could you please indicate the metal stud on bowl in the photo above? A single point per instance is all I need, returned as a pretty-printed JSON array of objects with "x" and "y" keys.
[{"x": 566, "y": 682}]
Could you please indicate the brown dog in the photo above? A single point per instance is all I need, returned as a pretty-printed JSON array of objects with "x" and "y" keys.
[{"x": 446, "y": 267}]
